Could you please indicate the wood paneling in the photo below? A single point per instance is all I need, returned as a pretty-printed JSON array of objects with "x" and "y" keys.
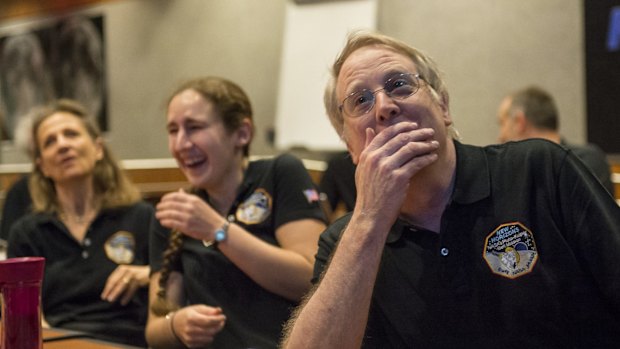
[
  {"x": 10, "y": 9},
  {"x": 152, "y": 182},
  {"x": 615, "y": 173}
]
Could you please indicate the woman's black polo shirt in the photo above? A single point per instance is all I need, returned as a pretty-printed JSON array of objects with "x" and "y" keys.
[
  {"x": 76, "y": 273},
  {"x": 273, "y": 192}
]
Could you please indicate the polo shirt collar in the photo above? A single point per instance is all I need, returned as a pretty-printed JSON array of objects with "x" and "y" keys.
[
  {"x": 48, "y": 217},
  {"x": 473, "y": 183},
  {"x": 249, "y": 178},
  {"x": 45, "y": 218}
]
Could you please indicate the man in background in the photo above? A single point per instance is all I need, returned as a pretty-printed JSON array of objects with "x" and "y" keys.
[{"x": 531, "y": 113}]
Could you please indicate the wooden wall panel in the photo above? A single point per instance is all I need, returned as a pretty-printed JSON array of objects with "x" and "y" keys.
[{"x": 11, "y": 9}]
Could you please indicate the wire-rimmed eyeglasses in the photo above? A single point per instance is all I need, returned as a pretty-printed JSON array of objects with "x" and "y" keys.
[{"x": 399, "y": 87}]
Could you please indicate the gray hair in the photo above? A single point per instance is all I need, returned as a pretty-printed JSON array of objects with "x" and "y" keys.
[{"x": 425, "y": 64}]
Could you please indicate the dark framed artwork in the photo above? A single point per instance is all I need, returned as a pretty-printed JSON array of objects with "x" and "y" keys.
[{"x": 63, "y": 58}]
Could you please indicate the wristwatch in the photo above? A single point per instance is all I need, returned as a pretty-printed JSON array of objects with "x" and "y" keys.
[
  {"x": 222, "y": 232},
  {"x": 220, "y": 235}
]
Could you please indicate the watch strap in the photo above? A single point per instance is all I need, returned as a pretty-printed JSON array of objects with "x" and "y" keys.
[{"x": 220, "y": 234}]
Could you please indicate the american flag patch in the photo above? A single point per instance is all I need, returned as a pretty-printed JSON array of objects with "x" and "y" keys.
[{"x": 312, "y": 195}]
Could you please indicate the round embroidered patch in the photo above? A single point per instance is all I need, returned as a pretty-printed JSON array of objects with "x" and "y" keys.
[
  {"x": 510, "y": 250},
  {"x": 120, "y": 247},
  {"x": 256, "y": 208}
]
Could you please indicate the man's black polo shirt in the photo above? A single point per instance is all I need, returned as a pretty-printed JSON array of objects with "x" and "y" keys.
[{"x": 527, "y": 257}]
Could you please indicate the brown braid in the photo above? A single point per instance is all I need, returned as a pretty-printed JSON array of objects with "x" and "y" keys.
[{"x": 162, "y": 306}]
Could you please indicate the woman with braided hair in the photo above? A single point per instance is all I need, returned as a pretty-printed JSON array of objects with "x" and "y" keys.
[{"x": 232, "y": 257}]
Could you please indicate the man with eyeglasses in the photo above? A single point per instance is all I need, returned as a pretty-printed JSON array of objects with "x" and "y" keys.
[{"x": 451, "y": 245}]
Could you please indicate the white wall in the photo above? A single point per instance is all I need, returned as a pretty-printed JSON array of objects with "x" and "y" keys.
[
  {"x": 488, "y": 48},
  {"x": 313, "y": 36}
]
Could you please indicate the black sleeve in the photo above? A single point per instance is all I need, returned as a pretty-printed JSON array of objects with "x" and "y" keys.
[
  {"x": 16, "y": 204},
  {"x": 158, "y": 242},
  {"x": 595, "y": 160},
  {"x": 327, "y": 244},
  {"x": 295, "y": 195},
  {"x": 21, "y": 243},
  {"x": 147, "y": 215},
  {"x": 592, "y": 224}
]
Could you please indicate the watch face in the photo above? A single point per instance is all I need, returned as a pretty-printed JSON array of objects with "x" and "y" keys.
[{"x": 220, "y": 235}]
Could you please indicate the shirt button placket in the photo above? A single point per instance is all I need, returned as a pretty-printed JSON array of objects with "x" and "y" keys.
[{"x": 85, "y": 244}]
